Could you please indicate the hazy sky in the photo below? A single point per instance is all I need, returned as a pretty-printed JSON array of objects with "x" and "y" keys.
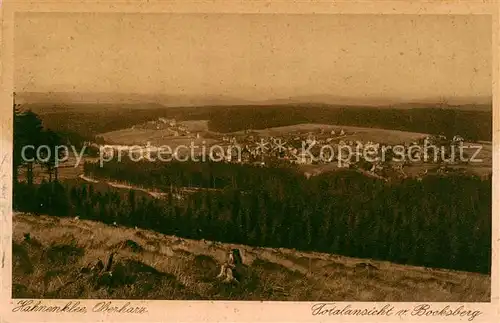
[{"x": 255, "y": 56}]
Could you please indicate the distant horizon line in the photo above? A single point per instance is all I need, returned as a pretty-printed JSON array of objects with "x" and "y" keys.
[{"x": 215, "y": 99}]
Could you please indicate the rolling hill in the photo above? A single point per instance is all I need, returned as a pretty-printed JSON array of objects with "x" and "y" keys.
[
  {"x": 49, "y": 254},
  {"x": 92, "y": 119}
]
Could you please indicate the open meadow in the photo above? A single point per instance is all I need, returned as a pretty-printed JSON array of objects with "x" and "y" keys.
[
  {"x": 364, "y": 134},
  {"x": 154, "y": 137}
]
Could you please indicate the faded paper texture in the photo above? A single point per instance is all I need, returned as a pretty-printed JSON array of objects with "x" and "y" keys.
[{"x": 333, "y": 161}]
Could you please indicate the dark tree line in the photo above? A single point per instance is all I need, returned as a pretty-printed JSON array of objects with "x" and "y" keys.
[
  {"x": 190, "y": 174},
  {"x": 29, "y": 135},
  {"x": 88, "y": 121},
  {"x": 473, "y": 125}
]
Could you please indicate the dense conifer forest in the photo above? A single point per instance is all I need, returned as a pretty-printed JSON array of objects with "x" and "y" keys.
[{"x": 437, "y": 222}]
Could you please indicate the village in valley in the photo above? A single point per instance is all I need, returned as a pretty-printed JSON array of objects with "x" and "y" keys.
[{"x": 313, "y": 147}]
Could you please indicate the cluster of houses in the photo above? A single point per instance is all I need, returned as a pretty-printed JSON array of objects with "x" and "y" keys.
[
  {"x": 170, "y": 126},
  {"x": 249, "y": 148},
  {"x": 305, "y": 148},
  {"x": 289, "y": 147},
  {"x": 429, "y": 150}
]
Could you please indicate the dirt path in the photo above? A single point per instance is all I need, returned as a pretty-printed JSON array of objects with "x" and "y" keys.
[
  {"x": 125, "y": 186},
  {"x": 153, "y": 193}
]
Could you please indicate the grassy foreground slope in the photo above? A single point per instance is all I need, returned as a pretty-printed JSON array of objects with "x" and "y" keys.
[{"x": 150, "y": 265}]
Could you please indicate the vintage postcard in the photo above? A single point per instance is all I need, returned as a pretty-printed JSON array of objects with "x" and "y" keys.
[{"x": 271, "y": 161}]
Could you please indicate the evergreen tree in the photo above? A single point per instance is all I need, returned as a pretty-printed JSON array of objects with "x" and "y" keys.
[{"x": 26, "y": 140}]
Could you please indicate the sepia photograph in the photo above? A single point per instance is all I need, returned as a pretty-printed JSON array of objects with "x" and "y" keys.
[{"x": 252, "y": 157}]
